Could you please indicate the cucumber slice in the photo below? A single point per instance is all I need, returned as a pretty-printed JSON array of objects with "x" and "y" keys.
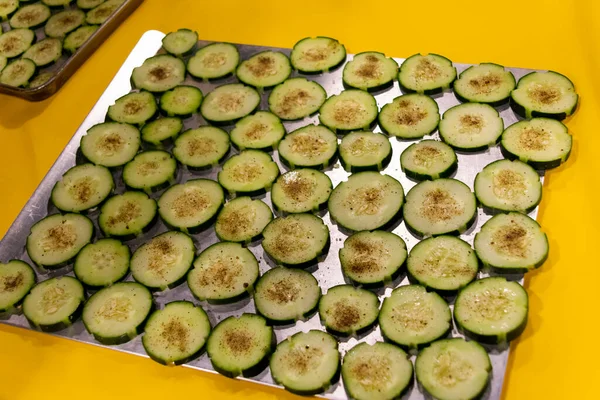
[
  {"x": 7, "y": 8},
  {"x": 301, "y": 190},
  {"x": 180, "y": 42},
  {"x": 16, "y": 280},
  {"x": 54, "y": 304},
  {"x": 372, "y": 258},
  {"x": 365, "y": 151},
  {"x": 471, "y": 127},
  {"x": 44, "y": 52},
  {"x": 18, "y": 73},
  {"x": 163, "y": 261},
  {"x": 78, "y": 37},
  {"x": 508, "y": 186},
  {"x": 428, "y": 160},
  {"x": 297, "y": 240},
  {"x": 201, "y": 148},
  {"x": 511, "y": 243},
  {"x": 57, "y": 3},
  {"x": 440, "y": 207},
  {"x": 259, "y": 131},
  {"x": 240, "y": 345},
  {"x": 89, "y": 4},
  {"x": 370, "y": 70},
  {"x": 306, "y": 363},
  {"x": 378, "y": 371},
  {"x": 30, "y": 16},
  {"x": 214, "y": 61},
  {"x": 428, "y": 74},
  {"x": 412, "y": 317},
  {"x": 319, "y": 54},
  {"x": 176, "y": 334},
  {"x": 351, "y": 110},
  {"x": 228, "y": 103},
  {"x": 15, "y": 42},
  {"x": 313, "y": 146},
  {"x": 82, "y": 187},
  {"x": 64, "y": 22},
  {"x": 117, "y": 314},
  {"x": 346, "y": 310},
  {"x": 150, "y": 171},
  {"x": 444, "y": 264},
  {"x": 249, "y": 172},
  {"x": 102, "y": 263},
  {"x": 181, "y": 100},
  {"x": 159, "y": 73},
  {"x": 127, "y": 215},
  {"x": 265, "y": 69},
  {"x": 39, "y": 79},
  {"x": 55, "y": 240},
  {"x": 296, "y": 98},
  {"x": 542, "y": 143},
  {"x": 544, "y": 94},
  {"x": 366, "y": 201},
  {"x": 101, "y": 13},
  {"x": 410, "y": 116},
  {"x": 453, "y": 369},
  {"x": 242, "y": 220},
  {"x": 485, "y": 83},
  {"x": 110, "y": 144},
  {"x": 162, "y": 131},
  {"x": 134, "y": 108},
  {"x": 286, "y": 295},
  {"x": 223, "y": 273},
  {"x": 191, "y": 206}
]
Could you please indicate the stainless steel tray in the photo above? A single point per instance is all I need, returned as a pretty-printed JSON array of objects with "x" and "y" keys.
[{"x": 328, "y": 272}]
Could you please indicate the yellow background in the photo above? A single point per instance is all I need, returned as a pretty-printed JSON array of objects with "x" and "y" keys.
[{"x": 556, "y": 357}]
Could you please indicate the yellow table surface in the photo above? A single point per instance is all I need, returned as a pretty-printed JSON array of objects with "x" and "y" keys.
[{"x": 556, "y": 357}]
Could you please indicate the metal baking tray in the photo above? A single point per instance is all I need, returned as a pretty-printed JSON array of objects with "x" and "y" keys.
[
  {"x": 328, "y": 272},
  {"x": 67, "y": 64}
]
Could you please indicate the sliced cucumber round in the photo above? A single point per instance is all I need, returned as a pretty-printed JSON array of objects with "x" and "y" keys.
[
  {"x": 301, "y": 190},
  {"x": 162, "y": 131},
  {"x": 201, "y": 148},
  {"x": 265, "y": 69},
  {"x": 249, "y": 172},
  {"x": 127, "y": 215},
  {"x": 346, "y": 310},
  {"x": 485, "y": 83},
  {"x": 134, "y": 108},
  {"x": 428, "y": 74},
  {"x": 366, "y": 201},
  {"x": 102, "y": 263},
  {"x": 16, "y": 280},
  {"x": 18, "y": 73},
  {"x": 296, "y": 98},
  {"x": 350, "y": 110},
  {"x": 471, "y": 127},
  {"x": 412, "y": 317},
  {"x": 511, "y": 243},
  {"x": 228, "y": 103},
  {"x": 180, "y": 42},
  {"x": 102, "y": 12},
  {"x": 428, "y": 160},
  {"x": 214, "y": 61},
  {"x": 78, "y": 37},
  {"x": 30, "y": 16},
  {"x": 319, "y": 54},
  {"x": 242, "y": 220},
  {"x": 370, "y": 70},
  {"x": 7, "y": 8},
  {"x": 64, "y": 22},
  {"x": 82, "y": 187},
  {"x": 313, "y": 146},
  {"x": 89, "y": 4},
  {"x": 44, "y": 52},
  {"x": 365, "y": 151},
  {"x": 182, "y": 101},
  {"x": 39, "y": 80},
  {"x": 159, "y": 73},
  {"x": 15, "y": 42},
  {"x": 110, "y": 144},
  {"x": 259, "y": 131},
  {"x": 150, "y": 171},
  {"x": 410, "y": 116}
]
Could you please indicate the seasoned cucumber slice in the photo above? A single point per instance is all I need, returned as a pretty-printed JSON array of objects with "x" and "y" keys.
[
  {"x": 319, "y": 54},
  {"x": 64, "y": 22},
  {"x": 296, "y": 98},
  {"x": 214, "y": 61},
  {"x": 54, "y": 304},
  {"x": 15, "y": 42},
  {"x": 110, "y": 144},
  {"x": 101, "y": 13},
  {"x": 249, "y": 172},
  {"x": 159, "y": 73},
  {"x": 306, "y": 363},
  {"x": 265, "y": 69},
  {"x": 471, "y": 127},
  {"x": 240, "y": 345},
  {"x": 18, "y": 73},
  {"x": 412, "y": 317},
  {"x": 301, "y": 190},
  {"x": 430, "y": 73},
  {"x": 150, "y": 171},
  {"x": 485, "y": 83},
  {"x": 370, "y": 70},
  {"x": 313, "y": 146},
  {"x": 372, "y": 258},
  {"x": 117, "y": 314},
  {"x": 378, "y": 371},
  {"x": 454, "y": 369},
  {"x": 201, "y": 148},
  {"x": 102, "y": 263},
  {"x": 542, "y": 143},
  {"x": 242, "y": 220},
  {"x": 176, "y": 334},
  {"x": 161, "y": 131},
  {"x": 365, "y": 151},
  {"x": 78, "y": 37},
  {"x": 39, "y": 79},
  {"x": 544, "y": 94},
  {"x": 134, "y": 108},
  {"x": 229, "y": 103},
  {"x": 89, "y": 4},
  {"x": 127, "y": 215},
  {"x": 163, "y": 261},
  {"x": 191, "y": 206},
  {"x": 44, "y": 52},
  {"x": 350, "y": 110},
  {"x": 16, "y": 280},
  {"x": 428, "y": 160},
  {"x": 410, "y": 116},
  {"x": 223, "y": 273},
  {"x": 7, "y": 7},
  {"x": 366, "y": 201},
  {"x": 444, "y": 264},
  {"x": 30, "y": 16},
  {"x": 82, "y": 187},
  {"x": 284, "y": 295},
  {"x": 259, "y": 131},
  {"x": 511, "y": 243},
  {"x": 55, "y": 240},
  {"x": 181, "y": 100},
  {"x": 347, "y": 310},
  {"x": 180, "y": 42},
  {"x": 297, "y": 240}
]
